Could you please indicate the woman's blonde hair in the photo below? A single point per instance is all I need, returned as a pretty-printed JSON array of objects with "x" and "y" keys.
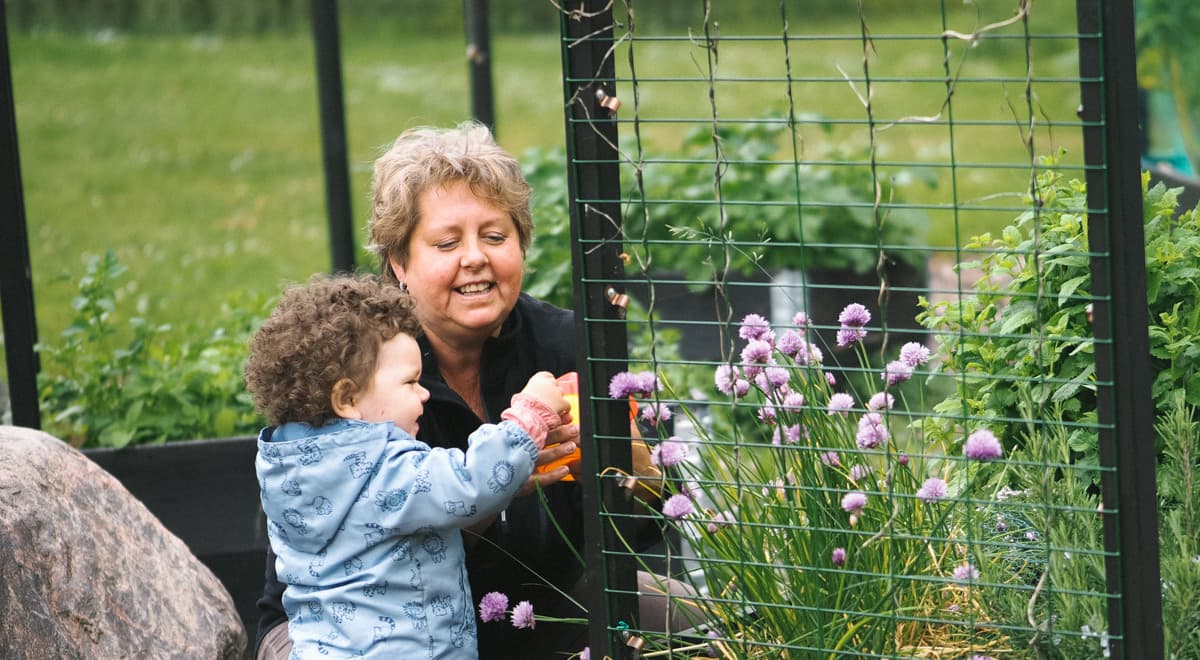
[{"x": 423, "y": 159}]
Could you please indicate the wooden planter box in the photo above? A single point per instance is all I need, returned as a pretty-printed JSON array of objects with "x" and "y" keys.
[{"x": 206, "y": 493}]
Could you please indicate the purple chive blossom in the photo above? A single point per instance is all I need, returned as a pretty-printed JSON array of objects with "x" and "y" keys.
[
  {"x": 586, "y": 653},
  {"x": 776, "y": 437},
  {"x": 522, "y": 615},
  {"x": 814, "y": 354},
  {"x": 871, "y": 431},
  {"x": 854, "y": 502},
  {"x": 678, "y": 506},
  {"x": 793, "y": 401},
  {"x": 854, "y": 318},
  {"x": 839, "y": 557},
  {"x": 492, "y": 606},
  {"x": 982, "y": 445},
  {"x": 724, "y": 377},
  {"x": 914, "y": 354},
  {"x": 754, "y": 327},
  {"x": 719, "y": 520},
  {"x": 854, "y": 315},
  {"x": 653, "y": 413},
  {"x": 627, "y": 384},
  {"x": 791, "y": 343},
  {"x": 830, "y": 458},
  {"x": 777, "y": 377},
  {"x": 648, "y": 383},
  {"x": 767, "y": 413},
  {"x": 858, "y": 471},
  {"x": 881, "y": 401},
  {"x": 932, "y": 490},
  {"x": 669, "y": 453},
  {"x": 756, "y": 351},
  {"x": 848, "y": 336},
  {"x": 801, "y": 321},
  {"x": 840, "y": 403},
  {"x": 791, "y": 434},
  {"x": 831, "y": 379},
  {"x": 965, "y": 572},
  {"x": 741, "y": 387},
  {"x": 897, "y": 372},
  {"x": 902, "y": 459}
]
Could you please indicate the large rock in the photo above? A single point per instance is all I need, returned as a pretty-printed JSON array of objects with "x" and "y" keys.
[{"x": 87, "y": 572}]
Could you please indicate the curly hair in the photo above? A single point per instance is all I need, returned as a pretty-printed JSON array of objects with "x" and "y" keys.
[
  {"x": 320, "y": 333},
  {"x": 423, "y": 159}
]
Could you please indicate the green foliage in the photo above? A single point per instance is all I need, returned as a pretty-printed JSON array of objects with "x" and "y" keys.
[
  {"x": 113, "y": 380},
  {"x": 548, "y": 260},
  {"x": 1178, "y": 482},
  {"x": 693, "y": 221},
  {"x": 1021, "y": 346},
  {"x": 1024, "y": 331}
]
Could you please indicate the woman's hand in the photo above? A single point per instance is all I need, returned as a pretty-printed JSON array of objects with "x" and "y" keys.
[{"x": 559, "y": 444}]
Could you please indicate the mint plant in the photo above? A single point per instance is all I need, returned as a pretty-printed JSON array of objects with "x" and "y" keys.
[{"x": 112, "y": 380}]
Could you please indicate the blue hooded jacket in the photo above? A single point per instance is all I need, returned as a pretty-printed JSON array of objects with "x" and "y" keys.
[{"x": 364, "y": 520}]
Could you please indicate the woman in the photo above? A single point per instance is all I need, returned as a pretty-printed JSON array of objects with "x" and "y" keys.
[{"x": 450, "y": 222}]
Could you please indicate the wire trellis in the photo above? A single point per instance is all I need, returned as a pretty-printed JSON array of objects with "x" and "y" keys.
[{"x": 846, "y": 263}]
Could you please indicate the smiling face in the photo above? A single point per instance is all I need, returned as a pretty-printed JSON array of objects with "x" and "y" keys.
[
  {"x": 394, "y": 393},
  {"x": 464, "y": 265}
]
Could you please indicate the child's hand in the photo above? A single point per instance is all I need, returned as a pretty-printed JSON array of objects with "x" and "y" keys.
[
  {"x": 543, "y": 388},
  {"x": 538, "y": 408}
]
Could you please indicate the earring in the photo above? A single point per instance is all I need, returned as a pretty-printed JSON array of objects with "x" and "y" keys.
[{"x": 404, "y": 286}]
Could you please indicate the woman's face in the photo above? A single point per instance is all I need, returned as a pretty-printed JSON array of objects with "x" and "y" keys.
[{"x": 465, "y": 265}]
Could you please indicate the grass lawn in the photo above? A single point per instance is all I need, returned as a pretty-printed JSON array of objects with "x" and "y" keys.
[{"x": 196, "y": 159}]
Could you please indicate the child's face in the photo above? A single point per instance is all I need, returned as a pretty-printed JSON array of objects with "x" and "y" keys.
[{"x": 394, "y": 393}]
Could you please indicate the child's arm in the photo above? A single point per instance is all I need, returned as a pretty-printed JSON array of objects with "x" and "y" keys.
[
  {"x": 450, "y": 488},
  {"x": 539, "y": 407}
]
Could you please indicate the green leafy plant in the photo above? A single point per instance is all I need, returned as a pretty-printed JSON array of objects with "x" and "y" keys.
[
  {"x": 1027, "y": 318},
  {"x": 113, "y": 380},
  {"x": 677, "y": 206},
  {"x": 1021, "y": 348}
]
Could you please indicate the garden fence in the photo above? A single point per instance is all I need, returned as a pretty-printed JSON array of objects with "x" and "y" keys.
[{"x": 878, "y": 286}]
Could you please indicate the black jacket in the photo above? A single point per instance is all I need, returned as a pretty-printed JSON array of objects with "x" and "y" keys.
[{"x": 535, "y": 337}]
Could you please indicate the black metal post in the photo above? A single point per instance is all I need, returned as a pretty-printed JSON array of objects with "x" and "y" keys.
[
  {"x": 16, "y": 278},
  {"x": 333, "y": 133},
  {"x": 595, "y": 192},
  {"x": 479, "y": 62},
  {"x": 1109, "y": 109}
]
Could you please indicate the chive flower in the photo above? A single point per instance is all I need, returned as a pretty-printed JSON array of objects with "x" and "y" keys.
[
  {"x": 840, "y": 403},
  {"x": 914, "y": 354},
  {"x": 669, "y": 453},
  {"x": 854, "y": 502},
  {"x": 871, "y": 431},
  {"x": 522, "y": 615},
  {"x": 839, "y": 557},
  {"x": 492, "y": 606},
  {"x": 982, "y": 445},
  {"x": 678, "y": 506},
  {"x": 754, "y": 327},
  {"x": 932, "y": 490}
]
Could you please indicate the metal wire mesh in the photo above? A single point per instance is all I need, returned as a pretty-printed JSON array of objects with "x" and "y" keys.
[{"x": 851, "y": 251}]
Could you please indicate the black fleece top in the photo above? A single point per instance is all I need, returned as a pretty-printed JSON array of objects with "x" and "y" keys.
[{"x": 536, "y": 336}]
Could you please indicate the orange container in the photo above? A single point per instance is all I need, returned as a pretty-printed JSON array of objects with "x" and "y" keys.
[{"x": 569, "y": 384}]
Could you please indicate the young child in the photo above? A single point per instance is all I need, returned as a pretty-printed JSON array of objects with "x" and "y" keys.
[{"x": 365, "y": 519}]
